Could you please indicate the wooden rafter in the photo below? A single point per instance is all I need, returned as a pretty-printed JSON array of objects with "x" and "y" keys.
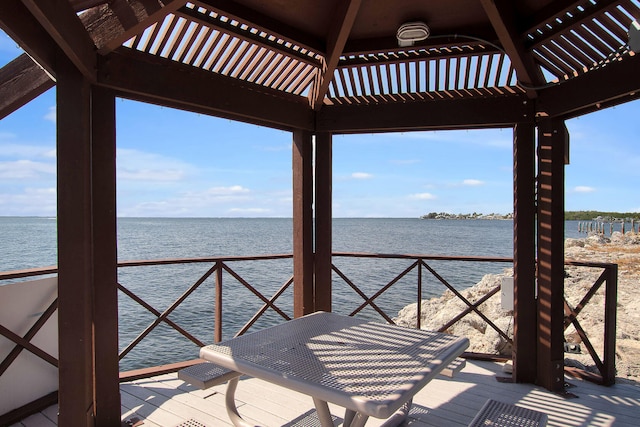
[
  {"x": 502, "y": 17},
  {"x": 439, "y": 49},
  {"x": 111, "y": 26},
  {"x": 22, "y": 27},
  {"x": 608, "y": 86},
  {"x": 21, "y": 80},
  {"x": 165, "y": 82},
  {"x": 236, "y": 11},
  {"x": 79, "y": 5},
  {"x": 62, "y": 24},
  {"x": 560, "y": 9},
  {"x": 251, "y": 37},
  {"x": 336, "y": 41}
]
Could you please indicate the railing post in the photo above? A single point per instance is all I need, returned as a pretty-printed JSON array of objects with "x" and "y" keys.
[
  {"x": 217, "y": 334},
  {"x": 610, "y": 317},
  {"x": 419, "y": 302}
]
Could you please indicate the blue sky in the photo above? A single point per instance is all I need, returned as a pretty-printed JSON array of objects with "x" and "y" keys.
[{"x": 178, "y": 164}]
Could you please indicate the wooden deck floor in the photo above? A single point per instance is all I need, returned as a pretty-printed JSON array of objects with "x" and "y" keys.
[{"x": 168, "y": 402}]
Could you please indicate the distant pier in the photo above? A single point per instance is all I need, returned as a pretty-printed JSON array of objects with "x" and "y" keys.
[{"x": 605, "y": 226}]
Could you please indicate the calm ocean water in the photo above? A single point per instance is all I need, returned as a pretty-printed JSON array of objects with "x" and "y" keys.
[{"x": 31, "y": 242}]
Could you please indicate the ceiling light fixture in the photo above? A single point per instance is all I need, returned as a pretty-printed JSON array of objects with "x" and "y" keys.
[{"x": 412, "y": 32}]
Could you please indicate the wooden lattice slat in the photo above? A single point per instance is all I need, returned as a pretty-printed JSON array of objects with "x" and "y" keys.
[{"x": 572, "y": 42}]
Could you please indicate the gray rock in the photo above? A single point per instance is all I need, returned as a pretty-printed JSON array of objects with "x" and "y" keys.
[{"x": 620, "y": 249}]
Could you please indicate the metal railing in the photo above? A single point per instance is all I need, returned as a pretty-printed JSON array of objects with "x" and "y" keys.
[
  {"x": 270, "y": 300},
  {"x": 608, "y": 277}
]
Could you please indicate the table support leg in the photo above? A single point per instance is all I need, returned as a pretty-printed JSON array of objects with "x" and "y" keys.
[
  {"x": 348, "y": 417},
  {"x": 322, "y": 408},
  {"x": 354, "y": 419},
  {"x": 399, "y": 416},
  {"x": 230, "y": 401},
  {"x": 359, "y": 420}
]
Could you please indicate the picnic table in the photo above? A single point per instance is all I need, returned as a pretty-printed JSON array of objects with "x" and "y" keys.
[{"x": 370, "y": 369}]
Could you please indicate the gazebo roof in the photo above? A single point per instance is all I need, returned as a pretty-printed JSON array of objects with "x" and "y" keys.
[
  {"x": 315, "y": 67},
  {"x": 334, "y": 65}
]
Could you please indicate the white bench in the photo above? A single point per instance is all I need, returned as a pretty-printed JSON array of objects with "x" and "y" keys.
[
  {"x": 454, "y": 367},
  {"x": 206, "y": 374},
  {"x": 500, "y": 414}
]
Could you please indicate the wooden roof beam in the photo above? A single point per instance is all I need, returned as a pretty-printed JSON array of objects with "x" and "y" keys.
[
  {"x": 24, "y": 29},
  {"x": 110, "y": 26},
  {"x": 429, "y": 115},
  {"x": 30, "y": 79},
  {"x": 336, "y": 41},
  {"x": 614, "y": 84},
  {"x": 21, "y": 80},
  {"x": 164, "y": 82},
  {"x": 59, "y": 20},
  {"x": 79, "y": 5},
  {"x": 502, "y": 17}
]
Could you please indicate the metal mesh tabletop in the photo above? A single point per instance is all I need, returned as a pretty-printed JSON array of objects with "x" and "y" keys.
[{"x": 364, "y": 366}]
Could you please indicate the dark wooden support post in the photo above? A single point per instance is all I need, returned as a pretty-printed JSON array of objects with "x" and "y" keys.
[
  {"x": 323, "y": 189},
  {"x": 105, "y": 276},
  {"x": 610, "y": 316},
  {"x": 217, "y": 334},
  {"x": 302, "y": 223},
  {"x": 75, "y": 247},
  {"x": 552, "y": 144},
  {"x": 524, "y": 254}
]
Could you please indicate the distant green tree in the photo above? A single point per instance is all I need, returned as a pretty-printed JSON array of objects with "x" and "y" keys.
[{"x": 590, "y": 215}]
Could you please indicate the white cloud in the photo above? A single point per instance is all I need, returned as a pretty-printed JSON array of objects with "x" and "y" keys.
[
  {"x": 472, "y": 182},
  {"x": 7, "y": 135},
  {"x": 583, "y": 189},
  {"x": 213, "y": 196},
  {"x": 136, "y": 165},
  {"x": 423, "y": 196},
  {"x": 234, "y": 200},
  {"x": 31, "y": 202},
  {"x": 250, "y": 211},
  {"x": 361, "y": 175},
  {"x": 233, "y": 190},
  {"x": 22, "y": 151},
  {"x": 51, "y": 114},
  {"x": 150, "y": 174},
  {"x": 26, "y": 169},
  {"x": 161, "y": 208}
]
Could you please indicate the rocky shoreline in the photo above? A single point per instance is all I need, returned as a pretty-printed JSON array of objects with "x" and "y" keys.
[{"x": 620, "y": 249}]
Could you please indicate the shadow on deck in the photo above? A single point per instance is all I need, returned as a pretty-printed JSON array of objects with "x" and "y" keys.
[{"x": 168, "y": 402}]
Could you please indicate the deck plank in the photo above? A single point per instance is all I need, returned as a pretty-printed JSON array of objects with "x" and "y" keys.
[{"x": 165, "y": 401}]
